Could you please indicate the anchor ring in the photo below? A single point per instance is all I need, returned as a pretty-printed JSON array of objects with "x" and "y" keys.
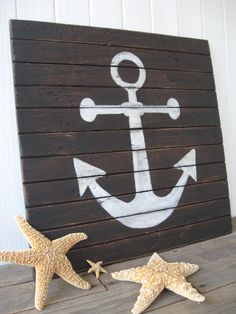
[{"x": 122, "y": 56}]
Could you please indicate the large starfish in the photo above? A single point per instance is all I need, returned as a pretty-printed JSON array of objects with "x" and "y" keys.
[
  {"x": 48, "y": 257},
  {"x": 157, "y": 275}
]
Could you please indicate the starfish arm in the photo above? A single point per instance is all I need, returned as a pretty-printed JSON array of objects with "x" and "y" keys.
[
  {"x": 103, "y": 270},
  {"x": 23, "y": 257},
  {"x": 186, "y": 290},
  {"x": 90, "y": 270},
  {"x": 97, "y": 273},
  {"x": 90, "y": 263},
  {"x": 34, "y": 237},
  {"x": 132, "y": 274},
  {"x": 155, "y": 258},
  {"x": 185, "y": 269},
  {"x": 44, "y": 274},
  {"x": 146, "y": 297},
  {"x": 65, "y": 271},
  {"x": 63, "y": 244}
]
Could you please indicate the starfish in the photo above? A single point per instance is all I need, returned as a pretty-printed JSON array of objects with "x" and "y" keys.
[
  {"x": 157, "y": 275},
  {"x": 96, "y": 267},
  {"x": 48, "y": 257}
]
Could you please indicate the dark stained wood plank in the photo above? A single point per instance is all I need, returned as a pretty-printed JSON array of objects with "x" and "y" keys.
[
  {"x": 67, "y": 120},
  {"x": 53, "y": 168},
  {"x": 54, "y": 144},
  {"x": 83, "y": 75},
  {"x": 71, "y": 53},
  {"x": 99, "y": 231},
  {"x": 55, "y": 67},
  {"x": 74, "y": 213},
  {"x": 103, "y": 36},
  {"x": 146, "y": 244},
  {"x": 117, "y": 184},
  {"x": 57, "y": 97}
]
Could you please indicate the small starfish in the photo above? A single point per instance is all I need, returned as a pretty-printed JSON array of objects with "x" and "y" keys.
[
  {"x": 157, "y": 275},
  {"x": 96, "y": 267},
  {"x": 48, "y": 257}
]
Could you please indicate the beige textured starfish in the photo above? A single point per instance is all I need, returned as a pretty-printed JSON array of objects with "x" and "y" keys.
[
  {"x": 96, "y": 267},
  {"x": 157, "y": 275},
  {"x": 48, "y": 257}
]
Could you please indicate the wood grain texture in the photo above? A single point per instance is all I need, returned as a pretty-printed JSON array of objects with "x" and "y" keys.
[
  {"x": 182, "y": 216},
  {"x": 61, "y": 167},
  {"x": 157, "y": 241},
  {"x": 53, "y": 144},
  {"x": 85, "y": 54},
  {"x": 57, "y": 97},
  {"x": 103, "y": 36},
  {"x": 79, "y": 212},
  {"x": 69, "y": 120},
  {"x": 86, "y": 75},
  {"x": 23, "y": 294},
  {"x": 117, "y": 184}
]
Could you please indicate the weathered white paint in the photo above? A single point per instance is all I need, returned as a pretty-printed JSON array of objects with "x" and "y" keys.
[
  {"x": 146, "y": 209},
  {"x": 143, "y": 202},
  {"x": 211, "y": 19}
]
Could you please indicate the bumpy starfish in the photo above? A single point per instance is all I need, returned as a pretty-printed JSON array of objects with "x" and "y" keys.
[
  {"x": 48, "y": 257},
  {"x": 157, "y": 275},
  {"x": 96, "y": 267}
]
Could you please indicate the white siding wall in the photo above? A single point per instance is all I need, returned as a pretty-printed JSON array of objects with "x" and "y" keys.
[{"x": 214, "y": 20}]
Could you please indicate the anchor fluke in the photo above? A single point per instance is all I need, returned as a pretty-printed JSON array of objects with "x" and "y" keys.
[
  {"x": 188, "y": 164},
  {"x": 86, "y": 174}
]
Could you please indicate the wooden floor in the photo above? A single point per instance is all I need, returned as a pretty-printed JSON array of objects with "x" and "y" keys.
[{"x": 216, "y": 280}]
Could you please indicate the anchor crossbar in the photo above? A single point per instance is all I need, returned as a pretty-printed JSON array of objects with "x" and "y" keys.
[{"x": 89, "y": 110}]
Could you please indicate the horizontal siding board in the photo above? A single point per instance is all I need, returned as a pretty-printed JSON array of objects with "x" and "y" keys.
[
  {"x": 154, "y": 242},
  {"x": 54, "y": 168},
  {"x": 69, "y": 120},
  {"x": 181, "y": 216},
  {"x": 117, "y": 184},
  {"x": 59, "y": 215},
  {"x": 83, "y": 54},
  {"x": 33, "y": 145},
  {"x": 83, "y": 75},
  {"x": 103, "y": 36},
  {"x": 57, "y": 97}
]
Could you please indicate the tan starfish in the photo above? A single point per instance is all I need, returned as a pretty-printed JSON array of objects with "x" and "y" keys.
[
  {"x": 157, "y": 275},
  {"x": 96, "y": 267},
  {"x": 48, "y": 257}
]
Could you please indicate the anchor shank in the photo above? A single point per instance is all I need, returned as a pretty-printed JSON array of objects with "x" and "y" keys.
[{"x": 142, "y": 176}]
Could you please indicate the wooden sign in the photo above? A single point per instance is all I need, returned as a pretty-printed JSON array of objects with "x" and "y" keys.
[{"x": 120, "y": 138}]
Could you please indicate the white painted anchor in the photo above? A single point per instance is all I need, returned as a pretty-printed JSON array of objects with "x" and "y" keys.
[{"x": 146, "y": 209}]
